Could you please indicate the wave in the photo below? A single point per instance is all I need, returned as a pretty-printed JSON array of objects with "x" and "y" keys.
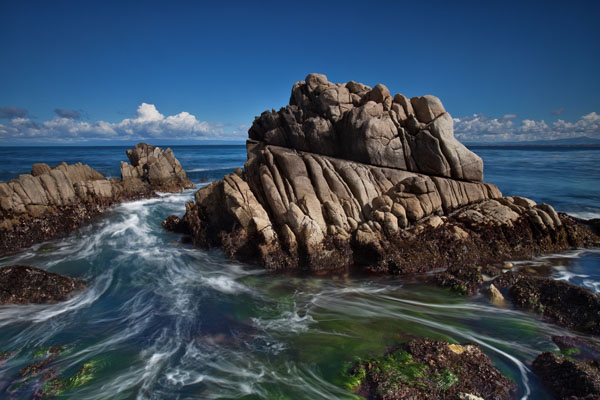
[
  {"x": 584, "y": 214},
  {"x": 36, "y": 313},
  {"x": 217, "y": 168}
]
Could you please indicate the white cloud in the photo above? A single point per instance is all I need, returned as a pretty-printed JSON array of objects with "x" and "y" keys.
[
  {"x": 148, "y": 122},
  {"x": 480, "y": 128}
]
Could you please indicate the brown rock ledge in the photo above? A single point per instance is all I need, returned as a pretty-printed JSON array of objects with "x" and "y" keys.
[{"x": 53, "y": 201}]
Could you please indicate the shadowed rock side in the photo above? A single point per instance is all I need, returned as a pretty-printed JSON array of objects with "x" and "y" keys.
[
  {"x": 568, "y": 378},
  {"x": 431, "y": 369},
  {"x": 557, "y": 301},
  {"x": 53, "y": 201},
  {"x": 316, "y": 201},
  {"x": 21, "y": 284}
]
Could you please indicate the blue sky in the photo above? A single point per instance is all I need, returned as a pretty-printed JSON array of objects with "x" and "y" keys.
[{"x": 102, "y": 72}]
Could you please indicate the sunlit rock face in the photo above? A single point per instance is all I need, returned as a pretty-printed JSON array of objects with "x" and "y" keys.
[
  {"x": 349, "y": 176},
  {"x": 358, "y": 123}
]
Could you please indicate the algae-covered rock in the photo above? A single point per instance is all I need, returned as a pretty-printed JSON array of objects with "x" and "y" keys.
[
  {"x": 559, "y": 302},
  {"x": 430, "y": 369}
]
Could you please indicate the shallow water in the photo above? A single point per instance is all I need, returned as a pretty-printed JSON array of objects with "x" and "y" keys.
[{"x": 161, "y": 319}]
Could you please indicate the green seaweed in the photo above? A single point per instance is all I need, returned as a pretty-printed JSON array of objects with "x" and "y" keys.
[
  {"x": 355, "y": 377},
  {"x": 47, "y": 249},
  {"x": 570, "y": 352},
  {"x": 444, "y": 379},
  {"x": 396, "y": 370},
  {"x": 57, "y": 386}
]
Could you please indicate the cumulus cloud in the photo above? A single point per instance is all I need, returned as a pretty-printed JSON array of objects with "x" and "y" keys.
[
  {"x": 11, "y": 112},
  {"x": 147, "y": 123},
  {"x": 480, "y": 128},
  {"x": 72, "y": 114}
]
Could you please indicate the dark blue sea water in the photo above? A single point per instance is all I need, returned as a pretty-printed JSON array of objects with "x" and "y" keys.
[{"x": 163, "y": 320}]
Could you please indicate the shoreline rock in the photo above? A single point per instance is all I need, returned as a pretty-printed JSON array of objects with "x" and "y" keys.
[
  {"x": 54, "y": 201},
  {"x": 559, "y": 302},
  {"x": 22, "y": 284},
  {"x": 430, "y": 369},
  {"x": 347, "y": 177}
]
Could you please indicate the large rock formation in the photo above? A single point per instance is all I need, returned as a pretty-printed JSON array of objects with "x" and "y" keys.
[
  {"x": 349, "y": 176},
  {"x": 53, "y": 201}
]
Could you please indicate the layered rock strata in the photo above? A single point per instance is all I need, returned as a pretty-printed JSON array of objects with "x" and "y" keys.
[
  {"x": 349, "y": 176},
  {"x": 53, "y": 201}
]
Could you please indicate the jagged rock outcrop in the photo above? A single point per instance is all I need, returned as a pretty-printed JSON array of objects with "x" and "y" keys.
[
  {"x": 339, "y": 179},
  {"x": 22, "y": 284},
  {"x": 157, "y": 167},
  {"x": 53, "y": 201},
  {"x": 354, "y": 122}
]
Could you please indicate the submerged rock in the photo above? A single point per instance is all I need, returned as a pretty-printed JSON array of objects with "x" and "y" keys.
[
  {"x": 559, "y": 302},
  {"x": 53, "y": 201},
  {"x": 578, "y": 348},
  {"x": 568, "y": 378},
  {"x": 431, "y": 369},
  {"x": 21, "y": 284}
]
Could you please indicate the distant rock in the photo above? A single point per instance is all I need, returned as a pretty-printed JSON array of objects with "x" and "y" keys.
[
  {"x": 53, "y": 201},
  {"x": 348, "y": 177},
  {"x": 21, "y": 284},
  {"x": 157, "y": 167}
]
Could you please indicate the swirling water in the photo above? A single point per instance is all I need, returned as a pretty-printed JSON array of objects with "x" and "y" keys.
[{"x": 161, "y": 319}]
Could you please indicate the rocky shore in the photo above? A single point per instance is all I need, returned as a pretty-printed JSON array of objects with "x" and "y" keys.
[
  {"x": 348, "y": 178},
  {"x": 431, "y": 369},
  {"x": 345, "y": 179},
  {"x": 53, "y": 201}
]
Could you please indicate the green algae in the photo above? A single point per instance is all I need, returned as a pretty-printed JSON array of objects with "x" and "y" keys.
[
  {"x": 57, "y": 386},
  {"x": 569, "y": 352},
  {"x": 397, "y": 370},
  {"x": 47, "y": 249},
  {"x": 444, "y": 379}
]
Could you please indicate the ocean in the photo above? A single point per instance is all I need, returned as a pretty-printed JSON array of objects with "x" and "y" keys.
[{"x": 164, "y": 320}]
